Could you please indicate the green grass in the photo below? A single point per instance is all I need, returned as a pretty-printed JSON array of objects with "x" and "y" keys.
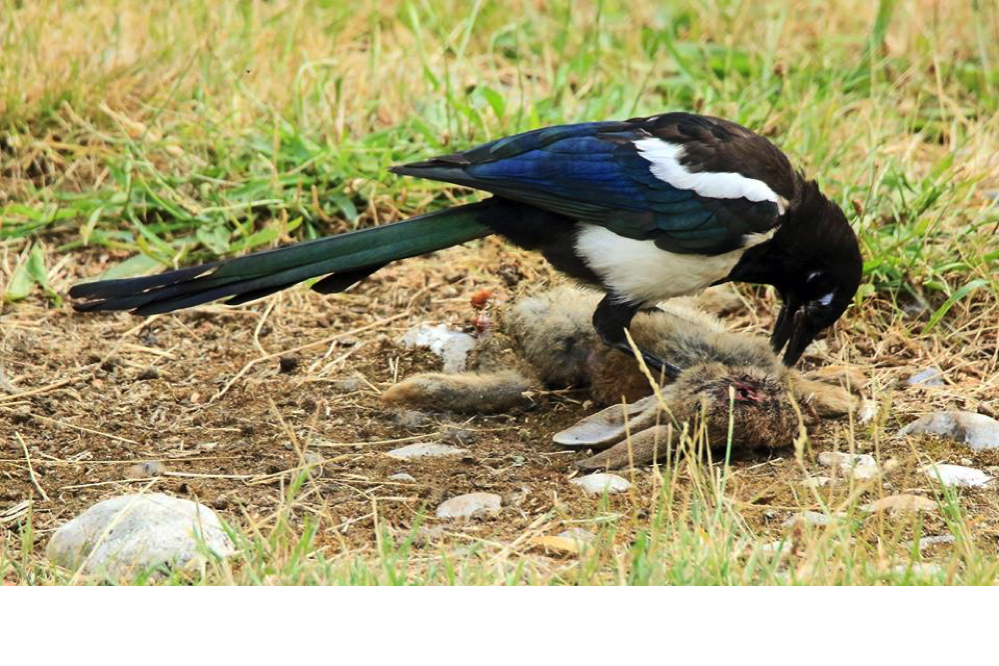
[
  {"x": 175, "y": 132},
  {"x": 691, "y": 537}
]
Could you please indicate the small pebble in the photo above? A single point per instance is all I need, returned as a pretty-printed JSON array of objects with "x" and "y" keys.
[
  {"x": 956, "y": 475},
  {"x": 288, "y": 363},
  {"x": 918, "y": 569},
  {"x": 348, "y": 384},
  {"x": 424, "y": 450},
  {"x": 813, "y": 518},
  {"x": 149, "y": 374},
  {"x": 927, "y": 542},
  {"x": 408, "y": 418},
  {"x": 22, "y": 414},
  {"x": 927, "y": 377},
  {"x": 316, "y": 461},
  {"x": 857, "y": 465},
  {"x": 844, "y": 460},
  {"x": 460, "y": 436},
  {"x": 470, "y": 506},
  {"x": 598, "y": 484},
  {"x": 780, "y": 549},
  {"x": 145, "y": 470},
  {"x": 403, "y": 477},
  {"x": 816, "y": 481}
]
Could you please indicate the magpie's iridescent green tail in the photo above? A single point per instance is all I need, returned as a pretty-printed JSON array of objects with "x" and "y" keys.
[{"x": 344, "y": 259}]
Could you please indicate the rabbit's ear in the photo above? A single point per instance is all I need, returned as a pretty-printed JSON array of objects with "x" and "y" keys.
[
  {"x": 467, "y": 393},
  {"x": 610, "y": 425},
  {"x": 644, "y": 448}
]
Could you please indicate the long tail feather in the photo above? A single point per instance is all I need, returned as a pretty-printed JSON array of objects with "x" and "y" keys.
[{"x": 345, "y": 258}]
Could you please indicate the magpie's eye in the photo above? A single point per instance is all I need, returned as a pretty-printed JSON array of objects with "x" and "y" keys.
[
  {"x": 824, "y": 299},
  {"x": 819, "y": 288}
]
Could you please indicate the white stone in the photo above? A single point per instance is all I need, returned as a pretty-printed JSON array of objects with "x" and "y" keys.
[
  {"x": 845, "y": 460},
  {"x": 978, "y": 431},
  {"x": 813, "y": 518},
  {"x": 816, "y": 481},
  {"x": 857, "y": 465},
  {"x": 780, "y": 549},
  {"x": 450, "y": 345},
  {"x": 424, "y": 450},
  {"x": 131, "y": 533},
  {"x": 578, "y": 534},
  {"x": 403, "y": 477},
  {"x": 957, "y": 475},
  {"x": 598, "y": 484},
  {"x": 469, "y": 506},
  {"x": 919, "y": 569}
]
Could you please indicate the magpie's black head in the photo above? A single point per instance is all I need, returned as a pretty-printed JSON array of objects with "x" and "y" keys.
[{"x": 814, "y": 262}]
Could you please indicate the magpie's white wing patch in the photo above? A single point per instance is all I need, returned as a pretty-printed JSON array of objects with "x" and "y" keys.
[
  {"x": 664, "y": 162},
  {"x": 638, "y": 271}
]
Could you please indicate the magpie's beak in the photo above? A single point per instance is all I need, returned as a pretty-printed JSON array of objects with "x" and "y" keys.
[
  {"x": 782, "y": 329},
  {"x": 791, "y": 330}
]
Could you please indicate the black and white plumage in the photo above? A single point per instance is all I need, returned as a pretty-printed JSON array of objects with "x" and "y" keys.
[
  {"x": 647, "y": 209},
  {"x": 653, "y": 208}
]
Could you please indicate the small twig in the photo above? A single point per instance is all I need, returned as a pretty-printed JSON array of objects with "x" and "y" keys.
[
  {"x": 289, "y": 432},
  {"x": 31, "y": 470},
  {"x": 41, "y": 389},
  {"x": 260, "y": 325}
]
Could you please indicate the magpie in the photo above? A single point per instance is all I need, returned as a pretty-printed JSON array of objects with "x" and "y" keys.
[{"x": 646, "y": 209}]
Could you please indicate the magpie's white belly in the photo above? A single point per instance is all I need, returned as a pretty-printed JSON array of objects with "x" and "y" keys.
[{"x": 641, "y": 272}]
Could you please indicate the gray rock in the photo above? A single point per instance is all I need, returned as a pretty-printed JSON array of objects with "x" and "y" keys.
[
  {"x": 598, "y": 484},
  {"x": 929, "y": 541},
  {"x": 131, "y": 533},
  {"x": 957, "y": 475},
  {"x": 927, "y": 377},
  {"x": 470, "y": 506},
  {"x": 403, "y": 477},
  {"x": 978, "y": 431},
  {"x": 450, "y": 345},
  {"x": 424, "y": 450}
]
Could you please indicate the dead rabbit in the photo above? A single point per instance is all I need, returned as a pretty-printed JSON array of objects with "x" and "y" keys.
[{"x": 548, "y": 341}]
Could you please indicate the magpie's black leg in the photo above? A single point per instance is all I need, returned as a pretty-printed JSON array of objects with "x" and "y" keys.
[{"x": 611, "y": 318}]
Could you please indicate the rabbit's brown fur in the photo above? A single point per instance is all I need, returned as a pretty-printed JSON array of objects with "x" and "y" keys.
[{"x": 549, "y": 341}]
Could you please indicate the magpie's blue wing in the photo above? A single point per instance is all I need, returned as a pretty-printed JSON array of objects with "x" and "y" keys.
[{"x": 594, "y": 173}]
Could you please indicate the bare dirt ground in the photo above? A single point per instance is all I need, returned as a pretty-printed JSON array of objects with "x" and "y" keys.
[{"x": 231, "y": 401}]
